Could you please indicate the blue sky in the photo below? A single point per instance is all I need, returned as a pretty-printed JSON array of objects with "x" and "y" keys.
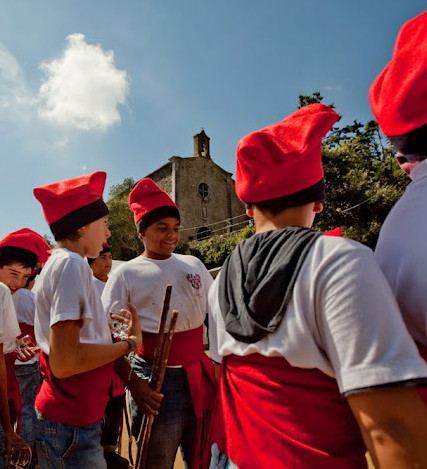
[{"x": 123, "y": 86}]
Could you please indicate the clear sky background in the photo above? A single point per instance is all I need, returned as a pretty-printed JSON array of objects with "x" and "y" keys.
[{"x": 122, "y": 86}]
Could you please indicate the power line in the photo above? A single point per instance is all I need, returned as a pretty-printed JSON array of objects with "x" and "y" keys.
[
  {"x": 358, "y": 205},
  {"x": 226, "y": 221}
]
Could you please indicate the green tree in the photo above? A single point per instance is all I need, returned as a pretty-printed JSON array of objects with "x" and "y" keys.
[
  {"x": 363, "y": 182},
  {"x": 124, "y": 240},
  {"x": 215, "y": 250}
]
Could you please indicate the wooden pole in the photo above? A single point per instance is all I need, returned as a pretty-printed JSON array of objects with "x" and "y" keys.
[{"x": 161, "y": 353}]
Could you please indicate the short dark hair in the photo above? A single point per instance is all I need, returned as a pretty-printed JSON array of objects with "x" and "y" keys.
[
  {"x": 156, "y": 215},
  {"x": 413, "y": 144},
  {"x": 11, "y": 254},
  {"x": 314, "y": 193},
  {"x": 105, "y": 248}
]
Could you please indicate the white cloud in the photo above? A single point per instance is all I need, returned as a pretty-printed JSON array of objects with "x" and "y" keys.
[
  {"x": 9, "y": 67},
  {"x": 14, "y": 95},
  {"x": 83, "y": 88}
]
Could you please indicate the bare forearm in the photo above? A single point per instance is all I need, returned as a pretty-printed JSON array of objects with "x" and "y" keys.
[
  {"x": 394, "y": 427},
  {"x": 4, "y": 404},
  {"x": 84, "y": 357}
]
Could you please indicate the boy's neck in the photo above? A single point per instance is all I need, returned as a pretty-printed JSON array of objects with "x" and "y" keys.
[
  {"x": 73, "y": 246},
  {"x": 295, "y": 216}
]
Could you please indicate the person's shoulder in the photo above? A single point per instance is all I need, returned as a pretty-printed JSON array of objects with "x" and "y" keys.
[
  {"x": 126, "y": 266},
  {"x": 4, "y": 290},
  {"x": 62, "y": 256},
  {"x": 65, "y": 262},
  {"x": 25, "y": 294},
  {"x": 328, "y": 248}
]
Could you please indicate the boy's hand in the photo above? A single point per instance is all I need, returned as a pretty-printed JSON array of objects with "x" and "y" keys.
[
  {"x": 134, "y": 326},
  {"x": 27, "y": 353},
  {"x": 147, "y": 400},
  {"x": 16, "y": 449}
]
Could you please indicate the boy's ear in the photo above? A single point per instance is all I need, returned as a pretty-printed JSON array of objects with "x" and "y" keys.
[
  {"x": 318, "y": 207},
  {"x": 250, "y": 212}
]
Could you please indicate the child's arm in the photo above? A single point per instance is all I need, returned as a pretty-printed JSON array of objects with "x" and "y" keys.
[
  {"x": 11, "y": 438},
  {"x": 68, "y": 356}
]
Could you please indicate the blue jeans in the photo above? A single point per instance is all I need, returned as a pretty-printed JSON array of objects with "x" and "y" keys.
[
  {"x": 220, "y": 460},
  {"x": 65, "y": 447},
  {"x": 29, "y": 378},
  {"x": 175, "y": 426}
]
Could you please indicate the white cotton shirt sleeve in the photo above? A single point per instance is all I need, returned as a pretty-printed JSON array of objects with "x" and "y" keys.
[
  {"x": 9, "y": 327},
  {"x": 342, "y": 319},
  {"x": 25, "y": 306},
  {"x": 66, "y": 291},
  {"x": 402, "y": 255}
]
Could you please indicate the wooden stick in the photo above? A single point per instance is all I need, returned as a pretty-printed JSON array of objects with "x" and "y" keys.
[
  {"x": 161, "y": 336},
  {"x": 157, "y": 385}
]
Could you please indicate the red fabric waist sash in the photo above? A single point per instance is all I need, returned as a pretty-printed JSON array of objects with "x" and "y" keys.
[
  {"x": 270, "y": 414},
  {"x": 79, "y": 400},
  {"x": 422, "y": 349},
  {"x": 186, "y": 347},
  {"x": 187, "y": 350},
  {"x": 13, "y": 391}
]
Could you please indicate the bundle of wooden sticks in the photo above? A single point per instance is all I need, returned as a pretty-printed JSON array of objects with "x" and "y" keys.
[{"x": 161, "y": 354}]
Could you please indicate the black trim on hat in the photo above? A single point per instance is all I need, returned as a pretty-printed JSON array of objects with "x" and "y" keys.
[
  {"x": 157, "y": 214},
  {"x": 314, "y": 193},
  {"x": 78, "y": 218},
  {"x": 15, "y": 254},
  {"x": 413, "y": 144}
]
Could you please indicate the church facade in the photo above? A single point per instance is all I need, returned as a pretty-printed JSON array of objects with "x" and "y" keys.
[{"x": 203, "y": 191}]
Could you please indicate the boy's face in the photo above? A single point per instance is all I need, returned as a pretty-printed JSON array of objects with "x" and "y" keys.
[
  {"x": 14, "y": 276},
  {"x": 102, "y": 265},
  {"x": 160, "y": 238},
  {"x": 93, "y": 235}
]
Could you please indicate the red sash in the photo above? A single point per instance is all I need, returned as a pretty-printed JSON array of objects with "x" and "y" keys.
[
  {"x": 187, "y": 350},
  {"x": 79, "y": 400},
  {"x": 27, "y": 329},
  {"x": 270, "y": 414},
  {"x": 422, "y": 349},
  {"x": 13, "y": 391}
]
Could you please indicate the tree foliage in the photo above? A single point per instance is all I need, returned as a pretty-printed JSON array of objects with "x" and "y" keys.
[
  {"x": 214, "y": 251},
  {"x": 124, "y": 240}
]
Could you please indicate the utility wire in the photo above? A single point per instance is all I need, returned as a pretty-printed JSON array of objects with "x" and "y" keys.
[
  {"x": 227, "y": 220},
  {"x": 357, "y": 205}
]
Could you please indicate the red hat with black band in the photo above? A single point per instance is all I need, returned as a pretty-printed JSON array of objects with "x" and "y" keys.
[
  {"x": 284, "y": 159},
  {"x": 25, "y": 246},
  {"x": 73, "y": 203},
  {"x": 149, "y": 203},
  {"x": 399, "y": 93}
]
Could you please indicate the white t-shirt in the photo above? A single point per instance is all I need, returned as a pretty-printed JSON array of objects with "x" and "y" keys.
[
  {"x": 342, "y": 319},
  {"x": 9, "y": 327},
  {"x": 99, "y": 285},
  {"x": 25, "y": 307},
  {"x": 65, "y": 291},
  {"x": 401, "y": 252},
  {"x": 143, "y": 281}
]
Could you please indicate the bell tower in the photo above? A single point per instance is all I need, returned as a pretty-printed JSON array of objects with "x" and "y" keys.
[{"x": 201, "y": 145}]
